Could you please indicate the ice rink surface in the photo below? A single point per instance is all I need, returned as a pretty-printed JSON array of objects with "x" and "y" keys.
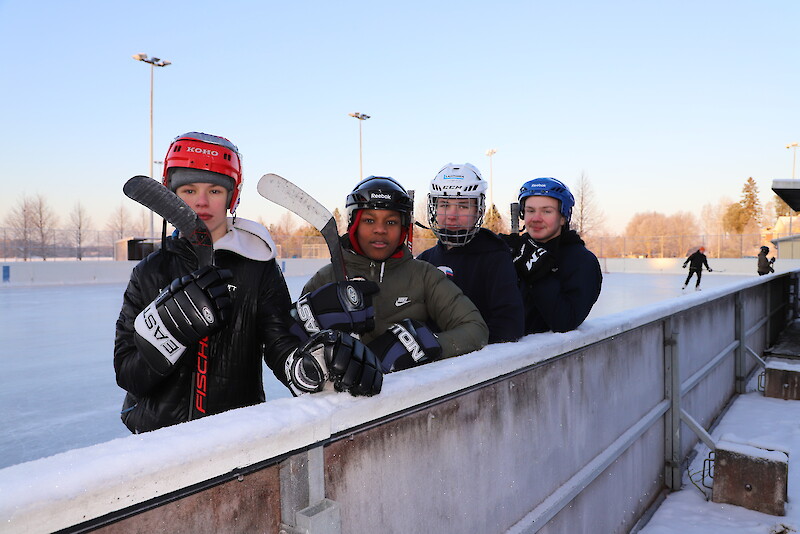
[{"x": 58, "y": 391}]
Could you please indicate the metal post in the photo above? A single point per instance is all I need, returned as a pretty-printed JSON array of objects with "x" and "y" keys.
[
  {"x": 491, "y": 152},
  {"x": 154, "y": 62},
  {"x": 672, "y": 419},
  {"x": 740, "y": 368},
  {"x": 361, "y": 118}
]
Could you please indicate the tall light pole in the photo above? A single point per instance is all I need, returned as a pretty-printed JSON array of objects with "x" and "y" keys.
[
  {"x": 793, "y": 146},
  {"x": 154, "y": 62},
  {"x": 361, "y": 118},
  {"x": 491, "y": 152}
]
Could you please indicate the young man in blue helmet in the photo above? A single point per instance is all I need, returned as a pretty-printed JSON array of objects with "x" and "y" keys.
[
  {"x": 419, "y": 315},
  {"x": 559, "y": 277},
  {"x": 475, "y": 259},
  {"x": 189, "y": 339}
]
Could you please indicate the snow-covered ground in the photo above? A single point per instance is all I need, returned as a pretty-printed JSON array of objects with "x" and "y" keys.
[{"x": 58, "y": 392}]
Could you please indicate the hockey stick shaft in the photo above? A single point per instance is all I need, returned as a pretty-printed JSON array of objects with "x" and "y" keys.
[
  {"x": 154, "y": 196},
  {"x": 286, "y": 194}
]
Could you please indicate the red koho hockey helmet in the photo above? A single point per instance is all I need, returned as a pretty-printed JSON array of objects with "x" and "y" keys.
[{"x": 197, "y": 150}]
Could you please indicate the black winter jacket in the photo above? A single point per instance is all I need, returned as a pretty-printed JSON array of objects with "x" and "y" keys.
[
  {"x": 483, "y": 270},
  {"x": 696, "y": 261},
  {"x": 258, "y": 325},
  {"x": 562, "y": 299}
]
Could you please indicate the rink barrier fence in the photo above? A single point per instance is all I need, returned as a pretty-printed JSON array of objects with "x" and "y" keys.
[
  {"x": 65, "y": 272},
  {"x": 574, "y": 432}
]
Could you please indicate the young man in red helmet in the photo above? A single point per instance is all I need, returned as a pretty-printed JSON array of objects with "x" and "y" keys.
[
  {"x": 420, "y": 315},
  {"x": 695, "y": 261},
  {"x": 178, "y": 363}
]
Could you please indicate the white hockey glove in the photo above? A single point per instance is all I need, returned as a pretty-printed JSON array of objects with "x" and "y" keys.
[{"x": 335, "y": 356}]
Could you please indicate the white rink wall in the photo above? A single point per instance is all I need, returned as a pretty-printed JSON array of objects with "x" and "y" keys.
[{"x": 29, "y": 273}]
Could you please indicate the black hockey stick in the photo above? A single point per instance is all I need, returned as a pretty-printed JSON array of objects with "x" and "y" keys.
[
  {"x": 284, "y": 193},
  {"x": 153, "y": 195}
]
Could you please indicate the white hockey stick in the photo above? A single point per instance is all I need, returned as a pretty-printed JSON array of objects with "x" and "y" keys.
[{"x": 284, "y": 193}]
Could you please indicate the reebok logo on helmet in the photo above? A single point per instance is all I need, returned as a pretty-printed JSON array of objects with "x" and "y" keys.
[{"x": 384, "y": 196}]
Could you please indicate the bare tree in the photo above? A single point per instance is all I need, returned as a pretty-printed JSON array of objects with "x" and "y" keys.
[
  {"x": 43, "y": 221},
  {"x": 20, "y": 220},
  {"x": 80, "y": 220},
  {"x": 118, "y": 224},
  {"x": 587, "y": 217},
  {"x": 140, "y": 226},
  {"x": 654, "y": 234}
]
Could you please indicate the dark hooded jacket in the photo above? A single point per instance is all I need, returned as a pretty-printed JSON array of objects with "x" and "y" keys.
[
  {"x": 696, "y": 261},
  {"x": 562, "y": 299},
  {"x": 231, "y": 363},
  {"x": 483, "y": 270}
]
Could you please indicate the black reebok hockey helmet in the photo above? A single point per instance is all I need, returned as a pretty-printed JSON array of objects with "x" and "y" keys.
[{"x": 379, "y": 193}]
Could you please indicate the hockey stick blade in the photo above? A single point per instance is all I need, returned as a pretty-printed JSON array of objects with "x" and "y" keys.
[
  {"x": 154, "y": 196},
  {"x": 286, "y": 194}
]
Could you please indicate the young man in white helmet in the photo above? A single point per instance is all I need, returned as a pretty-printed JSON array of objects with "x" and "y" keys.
[
  {"x": 420, "y": 315},
  {"x": 178, "y": 363},
  {"x": 475, "y": 258}
]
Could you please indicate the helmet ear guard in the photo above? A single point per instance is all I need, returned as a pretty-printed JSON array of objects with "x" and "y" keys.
[{"x": 204, "y": 152}]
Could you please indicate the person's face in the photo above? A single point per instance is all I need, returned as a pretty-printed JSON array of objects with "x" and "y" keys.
[
  {"x": 378, "y": 233},
  {"x": 456, "y": 213},
  {"x": 543, "y": 220},
  {"x": 210, "y": 203}
]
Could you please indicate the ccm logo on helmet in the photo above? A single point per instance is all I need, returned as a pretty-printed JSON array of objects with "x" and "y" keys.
[{"x": 202, "y": 151}]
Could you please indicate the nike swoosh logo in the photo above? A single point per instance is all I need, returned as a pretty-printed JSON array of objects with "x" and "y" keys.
[{"x": 402, "y": 301}]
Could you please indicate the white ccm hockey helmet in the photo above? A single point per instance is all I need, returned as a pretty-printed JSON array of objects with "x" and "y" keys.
[{"x": 456, "y": 182}]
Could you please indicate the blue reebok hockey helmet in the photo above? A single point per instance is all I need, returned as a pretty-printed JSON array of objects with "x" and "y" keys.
[{"x": 547, "y": 187}]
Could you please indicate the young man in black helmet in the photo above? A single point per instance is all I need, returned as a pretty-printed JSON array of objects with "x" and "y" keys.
[
  {"x": 420, "y": 315},
  {"x": 179, "y": 363},
  {"x": 475, "y": 259}
]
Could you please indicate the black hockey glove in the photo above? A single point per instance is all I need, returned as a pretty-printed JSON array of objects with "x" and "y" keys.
[
  {"x": 191, "y": 308},
  {"x": 531, "y": 261},
  {"x": 406, "y": 344},
  {"x": 335, "y": 356},
  {"x": 345, "y": 306}
]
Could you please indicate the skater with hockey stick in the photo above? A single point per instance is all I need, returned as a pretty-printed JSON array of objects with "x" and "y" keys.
[
  {"x": 559, "y": 277},
  {"x": 696, "y": 261},
  {"x": 474, "y": 258},
  {"x": 420, "y": 315},
  {"x": 191, "y": 335}
]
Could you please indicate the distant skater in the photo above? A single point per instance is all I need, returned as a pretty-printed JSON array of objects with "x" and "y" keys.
[
  {"x": 764, "y": 264},
  {"x": 696, "y": 260}
]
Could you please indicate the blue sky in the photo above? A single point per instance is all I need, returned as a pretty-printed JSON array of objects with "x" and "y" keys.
[{"x": 665, "y": 106}]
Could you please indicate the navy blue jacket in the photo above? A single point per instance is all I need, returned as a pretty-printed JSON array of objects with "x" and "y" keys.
[
  {"x": 562, "y": 299},
  {"x": 483, "y": 270}
]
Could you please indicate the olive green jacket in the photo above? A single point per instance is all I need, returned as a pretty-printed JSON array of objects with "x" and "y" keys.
[{"x": 414, "y": 289}]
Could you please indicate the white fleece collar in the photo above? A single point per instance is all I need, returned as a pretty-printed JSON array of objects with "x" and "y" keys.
[{"x": 248, "y": 239}]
